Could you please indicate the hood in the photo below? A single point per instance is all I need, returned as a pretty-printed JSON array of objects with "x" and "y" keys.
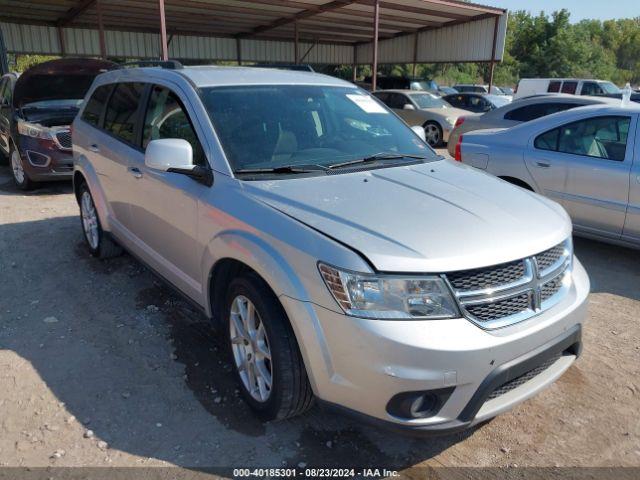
[
  {"x": 63, "y": 79},
  {"x": 435, "y": 217}
]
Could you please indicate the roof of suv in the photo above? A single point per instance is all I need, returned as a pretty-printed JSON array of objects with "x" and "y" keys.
[{"x": 213, "y": 76}]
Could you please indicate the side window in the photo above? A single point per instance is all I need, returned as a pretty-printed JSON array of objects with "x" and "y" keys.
[
  {"x": 2, "y": 85},
  {"x": 531, "y": 112},
  {"x": 548, "y": 140},
  {"x": 166, "y": 117},
  {"x": 591, "y": 88},
  {"x": 455, "y": 100},
  {"x": 475, "y": 103},
  {"x": 122, "y": 109},
  {"x": 554, "y": 86},
  {"x": 383, "y": 97},
  {"x": 95, "y": 105},
  {"x": 397, "y": 100},
  {"x": 569, "y": 87},
  {"x": 5, "y": 92},
  {"x": 599, "y": 137}
]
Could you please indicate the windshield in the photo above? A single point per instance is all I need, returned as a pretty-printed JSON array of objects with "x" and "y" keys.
[
  {"x": 609, "y": 87},
  {"x": 423, "y": 85},
  {"x": 272, "y": 126},
  {"x": 427, "y": 100}
]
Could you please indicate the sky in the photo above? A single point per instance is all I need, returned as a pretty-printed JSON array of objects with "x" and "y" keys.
[{"x": 579, "y": 9}]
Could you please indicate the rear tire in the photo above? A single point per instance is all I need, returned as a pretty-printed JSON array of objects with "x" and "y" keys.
[
  {"x": 20, "y": 176},
  {"x": 433, "y": 134},
  {"x": 99, "y": 242},
  {"x": 264, "y": 352}
]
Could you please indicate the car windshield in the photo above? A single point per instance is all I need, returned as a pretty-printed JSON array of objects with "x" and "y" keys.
[
  {"x": 427, "y": 100},
  {"x": 279, "y": 126},
  {"x": 609, "y": 87}
]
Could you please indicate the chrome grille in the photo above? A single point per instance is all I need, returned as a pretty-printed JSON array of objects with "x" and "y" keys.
[
  {"x": 508, "y": 293},
  {"x": 63, "y": 138},
  {"x": 482, "y": 278},
  {"x": 500, "y": 308}
]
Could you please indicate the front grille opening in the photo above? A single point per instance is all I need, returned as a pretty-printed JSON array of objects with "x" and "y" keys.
[
  {"x": 491, "y": 277},
  {"x": 486, "y": 312},
  {"x": 547, "y": 258},
  {"x": 64, "y": 139},
  {"x": 524, "y": 378},
  {"x": 549, "y": 289}
]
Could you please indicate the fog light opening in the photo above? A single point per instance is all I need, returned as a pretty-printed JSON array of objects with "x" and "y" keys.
[{"x": 424, "y": 404}]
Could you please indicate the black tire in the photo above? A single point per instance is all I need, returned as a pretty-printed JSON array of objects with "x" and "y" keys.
[
  {"x": 23, "y": 182},
  {"x": 290, "y": 393},
  {"x": 438, "y": 142},
  {"x": 105, "y": 246}
]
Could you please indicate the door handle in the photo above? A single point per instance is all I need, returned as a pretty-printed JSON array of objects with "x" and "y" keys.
[
  {"x": 543, "y": 164},
  {"x": 94, "y": 148},
  {"x": 135, "y": 171}
]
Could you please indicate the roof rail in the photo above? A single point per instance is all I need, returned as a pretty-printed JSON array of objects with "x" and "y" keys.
[{"x": 168, "y": 64}]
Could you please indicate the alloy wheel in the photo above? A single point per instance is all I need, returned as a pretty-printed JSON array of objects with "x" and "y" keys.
[
  {"x": 16, "y": 167},
  {"x": 251, "y": 349},
  {"x": 89, "y": 220},
  {"x": 432, "y": 133}
]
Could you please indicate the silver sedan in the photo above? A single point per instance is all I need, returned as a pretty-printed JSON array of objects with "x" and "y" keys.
[{"x": 587, "y": 159}]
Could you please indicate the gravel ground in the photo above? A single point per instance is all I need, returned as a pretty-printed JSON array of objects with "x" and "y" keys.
[{"x": 101, "y": 365}]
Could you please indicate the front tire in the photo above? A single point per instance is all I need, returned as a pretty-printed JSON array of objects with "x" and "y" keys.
[
  {"x": 433, "y": 134},
  {"x": 264, "y": 352},
  {"x": 20, "y": 177},
  {"x": 100, "y": 244}
]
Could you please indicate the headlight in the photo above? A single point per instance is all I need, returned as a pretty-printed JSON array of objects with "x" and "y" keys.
[
  {"x": 34, "y": 130},
  {"x": 389, "y": 296}
]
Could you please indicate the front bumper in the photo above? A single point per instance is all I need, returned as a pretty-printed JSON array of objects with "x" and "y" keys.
[
  {"x": 360, "y": 365},
  {"x": 44, "y": 161}
]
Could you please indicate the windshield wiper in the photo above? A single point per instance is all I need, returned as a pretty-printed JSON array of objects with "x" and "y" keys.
[
  {"x": 282, "y": 169},
  {"x": 377, "y": 157}
]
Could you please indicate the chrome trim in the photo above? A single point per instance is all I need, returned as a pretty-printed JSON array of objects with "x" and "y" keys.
[
  {"x": 38, "y": 165},
  {"x": 54, "y": 134},
  {"x": 531, "y": 284}
]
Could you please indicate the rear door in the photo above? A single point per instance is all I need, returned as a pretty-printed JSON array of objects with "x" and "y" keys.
[
  {"x": 114, "y": 147},
  {"x": 164, "y": 208}
]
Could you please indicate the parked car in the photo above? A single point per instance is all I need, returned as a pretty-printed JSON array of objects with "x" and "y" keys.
[
  {"x": 404, "y": 83},
  {"x": 587, "y": 159},
  {"x": 476, "y": 102},
  {"x": 507, "y": 90},
  {"x": 474, "y": 88},
  {"x": 36, "y": 111},
  {"x": 446, "y": 90},
  {"x": 517, "y": 112},
  {"x": 422, "y": 109},
  {"x": 342, "y": 259},
  {"x": 572, "y": 86}
]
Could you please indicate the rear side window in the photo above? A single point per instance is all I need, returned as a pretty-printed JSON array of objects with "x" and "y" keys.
[
  {"x": 554, "y": 86},
  {"x": 569, "y": 87},
  {"x": 531, "y": 112},
  {"x": 95, "y": 105},
  {"x": 120, "y": 118}
]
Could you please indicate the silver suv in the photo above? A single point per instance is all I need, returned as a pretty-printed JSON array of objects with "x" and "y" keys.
[{"x": 342, "y": 259}]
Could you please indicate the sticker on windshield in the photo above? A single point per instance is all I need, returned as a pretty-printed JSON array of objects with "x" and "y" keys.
[{"x": 367, "y": 103}]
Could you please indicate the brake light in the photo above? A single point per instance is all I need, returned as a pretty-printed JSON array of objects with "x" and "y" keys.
[
  {"x": 458, "y": 152},
  {"x": 459, "y": 121}
]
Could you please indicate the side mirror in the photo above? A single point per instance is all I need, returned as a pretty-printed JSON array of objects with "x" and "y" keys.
[
  {"x": 419, "y": 131},
  {"x": 408, "y": 106},
  {"x": 175, "y": 155}
]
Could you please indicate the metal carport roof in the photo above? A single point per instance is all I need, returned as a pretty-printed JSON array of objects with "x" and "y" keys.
[{"x": 313, "y": 31}]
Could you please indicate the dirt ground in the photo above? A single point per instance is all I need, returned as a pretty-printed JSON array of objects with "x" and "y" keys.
[{"x": 100, "y": 365}]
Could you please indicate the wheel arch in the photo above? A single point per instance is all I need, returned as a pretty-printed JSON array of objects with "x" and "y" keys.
[{"x": 516, "y": 181}]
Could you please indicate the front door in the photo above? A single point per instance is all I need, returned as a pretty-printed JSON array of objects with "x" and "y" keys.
[{"x": 165, "y": 206}]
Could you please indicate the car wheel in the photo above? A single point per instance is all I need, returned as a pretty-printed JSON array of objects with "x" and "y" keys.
[
  {"x": 433, "y": 134},
  {"x": 265, "y": 355},
  {"x": 100, "y": 244},
  {"x": 20, "y": 176}
]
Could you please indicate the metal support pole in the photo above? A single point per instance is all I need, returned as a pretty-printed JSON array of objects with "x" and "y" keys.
[
  {"x": 103, "y": 43},
  {"x": 492, "y": 64},
  {"x": 238, "y": 51},
  {"x": 376, "y": 25},
  {"x": 163, "y": 32},
  {"x": 354, "y": 73},
  {"x": 296, "y": 39},
  {"x": 415, "y": 52},
  {"x": 63, "y": 47},
  {"x": 4, "y": 63}
]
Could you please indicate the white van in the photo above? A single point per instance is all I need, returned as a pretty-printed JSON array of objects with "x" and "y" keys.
[{"x": 573, "y": 86}]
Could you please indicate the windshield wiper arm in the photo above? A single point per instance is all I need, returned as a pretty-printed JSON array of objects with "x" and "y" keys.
[
  {"x": 377, "y": 157},
  {"x": 282, "y": 169}
]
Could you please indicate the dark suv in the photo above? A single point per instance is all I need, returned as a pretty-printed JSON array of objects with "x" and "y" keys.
[{"x": 36, "y": 110}]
